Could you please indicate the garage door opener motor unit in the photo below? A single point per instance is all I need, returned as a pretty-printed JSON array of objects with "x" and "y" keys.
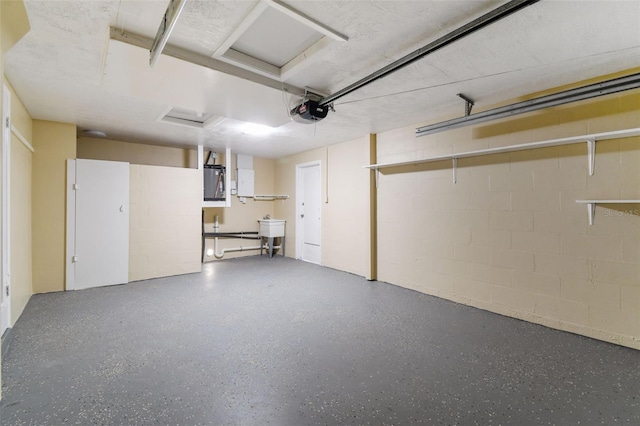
[{"x": 309, "y": 112}]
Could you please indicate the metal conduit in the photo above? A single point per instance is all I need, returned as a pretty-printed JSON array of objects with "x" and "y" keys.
[
  {"x": 586, "y": 92},
  {"x": 473, "y": 26}
]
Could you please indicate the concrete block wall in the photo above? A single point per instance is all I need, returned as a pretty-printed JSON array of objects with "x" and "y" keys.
[
  {"x": 345, "y": 237},
  {"x": 508, "y": 236},
  {"x": 164, "y": 230}
]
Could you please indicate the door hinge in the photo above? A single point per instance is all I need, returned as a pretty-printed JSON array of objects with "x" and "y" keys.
[
  {"x": 74, "y": 259},
  {"x": 8, "y": 122},
  {"x": 6, "y": 291}
]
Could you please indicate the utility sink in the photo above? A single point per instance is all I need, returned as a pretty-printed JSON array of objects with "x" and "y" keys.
[{"x": 271, "y": 228}]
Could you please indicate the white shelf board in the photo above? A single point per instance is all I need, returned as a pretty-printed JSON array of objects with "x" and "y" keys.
[
  {"x": 214, "y": 204},
  {"x": 617, "y": 134},
  {"x": 270, "y": 197},
  {"x": 607, "y": 201},
  {"x": 591, "y": 205}
]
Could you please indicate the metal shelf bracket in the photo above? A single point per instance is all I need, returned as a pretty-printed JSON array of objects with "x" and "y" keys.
[
  {"x": 591, "y": 155},
  {"x": 455, "y": 170},
  {"x": 468, "y": 103}
]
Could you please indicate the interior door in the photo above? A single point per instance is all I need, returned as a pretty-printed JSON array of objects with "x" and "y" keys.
[
  {"x": 310, "y": 206},
  {"x": 101, "y": 255}
]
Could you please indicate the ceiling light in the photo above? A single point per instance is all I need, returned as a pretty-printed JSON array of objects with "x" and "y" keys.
[
  {"x": 256, "y": 129},
  {"x": 94, "y": 133}
]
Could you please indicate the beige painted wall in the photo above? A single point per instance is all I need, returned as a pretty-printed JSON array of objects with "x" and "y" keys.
[
  {"x": 14, "y": 24},
  {"x": 345, "y": 243},
  {"x": 508, "y": 236},
  {"x": 20, "y": 228},
  {"x": 20, "y": 209},
  {"x": 345, "y": 209},
  {"x": 54, "y": 143},
  {"x": 164, "y": 234},
  {"x": 243, "y": 217},
  {"x": 135, "y": 153}
]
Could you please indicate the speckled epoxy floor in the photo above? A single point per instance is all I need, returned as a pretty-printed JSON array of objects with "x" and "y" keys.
[{"x": 260, "y": 341}]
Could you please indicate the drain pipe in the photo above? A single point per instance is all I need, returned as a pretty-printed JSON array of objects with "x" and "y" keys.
[{"x": 220, "y": 255}]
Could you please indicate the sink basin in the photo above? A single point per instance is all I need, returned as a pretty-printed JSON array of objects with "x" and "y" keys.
[{"x": 271, "y": 228}]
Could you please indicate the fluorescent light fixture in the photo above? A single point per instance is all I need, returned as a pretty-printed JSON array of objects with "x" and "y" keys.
[
  {"x": 188, "y": 117},
  {"x": 256, "y": 129},
  {"x": 164, "y": 30}
]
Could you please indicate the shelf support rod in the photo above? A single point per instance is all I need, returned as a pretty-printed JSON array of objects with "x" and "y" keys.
[
  {"x": 591, "y": 155},
  {"x": 455, "y": 170},
  {"x": 591, "y": 212}
]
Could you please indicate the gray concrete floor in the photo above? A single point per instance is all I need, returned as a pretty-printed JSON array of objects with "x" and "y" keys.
[{"x": 260, "y": 341}]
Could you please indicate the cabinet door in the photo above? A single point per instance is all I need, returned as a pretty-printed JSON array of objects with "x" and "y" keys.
[{"x": 101, "y": 224}]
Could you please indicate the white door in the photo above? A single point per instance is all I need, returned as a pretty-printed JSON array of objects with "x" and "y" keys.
[
  {"x": 101, "y": 255},
  {"x": 5, "y": 294},
  {"x": 309, "y": 206}
]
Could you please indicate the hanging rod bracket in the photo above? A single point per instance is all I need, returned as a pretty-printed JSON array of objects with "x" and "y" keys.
[{"x": 468, "y": 103}]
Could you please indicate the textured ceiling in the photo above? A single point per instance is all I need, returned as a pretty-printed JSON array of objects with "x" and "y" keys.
[{"x": 67, "y": 69}]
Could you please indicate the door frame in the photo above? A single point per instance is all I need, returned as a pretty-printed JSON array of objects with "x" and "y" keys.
[
  {"x": 5, "y": 262},
  {"x": 299, "y": 196},
  {"x": 71, "y": 226}
]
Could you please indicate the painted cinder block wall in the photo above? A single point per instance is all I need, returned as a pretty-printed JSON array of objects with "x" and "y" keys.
[
  {"x": 345, "y": 238},
  {"x": 509, "y": 237},
  {"x": 164, "y": 221}
]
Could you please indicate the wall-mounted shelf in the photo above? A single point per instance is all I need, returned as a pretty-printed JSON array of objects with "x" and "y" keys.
[
  {"x": 590, "y": 140},
  {"x": 270, "y": 197},
  {"x": 591, "y": 205}
]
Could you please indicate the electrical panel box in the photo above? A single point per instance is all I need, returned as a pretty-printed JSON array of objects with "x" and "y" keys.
[
  {"x": 245, "y": 183},
  {"x": 244, "y": 162}
]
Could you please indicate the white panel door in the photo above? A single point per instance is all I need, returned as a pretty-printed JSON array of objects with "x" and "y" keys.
[
  {"x": 310, "y": 205},
  {"x": 101, "y": 224}
]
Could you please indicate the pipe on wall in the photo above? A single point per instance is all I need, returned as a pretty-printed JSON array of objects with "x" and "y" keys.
[{"x": 216, "y": 227}]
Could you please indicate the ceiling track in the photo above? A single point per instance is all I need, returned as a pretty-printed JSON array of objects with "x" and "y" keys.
[
  {"x": 586, "y": 92},
  {"x": 471, "y": 27}
]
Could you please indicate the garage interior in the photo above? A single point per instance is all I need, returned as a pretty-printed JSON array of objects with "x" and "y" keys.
[{"x": 320, "y": 212}]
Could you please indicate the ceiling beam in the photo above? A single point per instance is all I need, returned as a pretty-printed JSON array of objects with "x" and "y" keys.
[{"x": 204, "y": 61}]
